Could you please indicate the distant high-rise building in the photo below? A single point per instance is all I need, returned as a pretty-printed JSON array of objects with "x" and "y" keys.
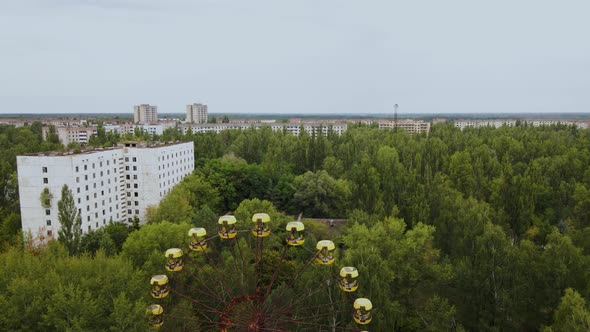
[
  {"x": 196, "y": 113},
  {"x": 145, "y": 114}
]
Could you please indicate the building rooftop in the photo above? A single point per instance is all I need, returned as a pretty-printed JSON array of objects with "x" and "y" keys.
[{"x": 89, "y": 150}]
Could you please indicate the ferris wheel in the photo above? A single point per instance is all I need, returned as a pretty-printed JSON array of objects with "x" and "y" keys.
[{"x": 240, "y": 289}]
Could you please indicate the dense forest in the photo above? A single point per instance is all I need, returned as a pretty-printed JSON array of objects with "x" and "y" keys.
[{"x": 484, "y": 229}]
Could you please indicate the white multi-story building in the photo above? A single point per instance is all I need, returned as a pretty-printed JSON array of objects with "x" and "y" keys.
[
  {"x": 72, "y": 134},
  {"x": 196, "y": 113},
  {"x": 145, "y": 114},
  {"x": 409, "y": 125},
  {"x": 293, "y": 128},
  {"x": 115, "y": 184},
  {"x": 497, "y": 123}
]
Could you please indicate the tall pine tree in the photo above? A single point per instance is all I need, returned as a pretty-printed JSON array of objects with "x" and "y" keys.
[{"x": 70, "y": 230}]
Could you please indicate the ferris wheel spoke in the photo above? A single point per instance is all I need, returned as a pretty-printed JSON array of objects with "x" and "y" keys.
[
  {"x": 204, "y": 284},
  {"x": 300, "y": 322},
  {"x": 298, "y": 275},
  {"x": 209, "y": 292},
  {"x": 196, "y": 301},
  {"x": 194, "y": 310},
  {"x": 207, "y": 324},
  {"x": 321, "y": 305},
  {"x": 276, "y": 273},
  {"x": 220, "y": 280},
  {"x": 237, "y": 271}
]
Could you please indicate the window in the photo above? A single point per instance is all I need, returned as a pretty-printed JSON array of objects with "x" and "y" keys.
[
  {"x": 136, "y": 203},
  {"x": 77, "y": 169},
  {"x": 45, "y": 180},
  {"x": 85, "y": 167},
  {"x": 135, "y": 185},
  {"x": 101, "y": 172},
  {"x": 96, "y": 216},
  {"x": 87, "y": 197},
  {"x": 126, "y": 168},
  {"x": 128, "y": 177},
  {"x": 128, "y": 194},
  {"x": 136, "y": 194},
  {"x": 44, "y": 169},
  {"x": 128, "y": 185},
  {"x": 135, "y": 168},
  {"x": 87, "y": 207},
  {"x": 134, "y": 159},
  {"x": 47, "y": 212},
  {"x": 100, "y": 164},
  {"x": 79, "y": 200},
  {"x": 129, "y": 211},
  {"x": 92, "y": 165},
  {"x": 94, "y": 195},
  {"x": 86, "y": 177},
  {"x": 78, "y": 190},
  {"x": 86, "y": 187},
  {"x": 94, "y": 185},
  {"x": 48, "y": 222},
  {"x": 94, "y": 175},
  {"x": 126, "y": 158},
  {"x": 77, "y": 179},
  {"x": 49, "y": 233},
  {"x": 95, "y": 205},
  {"x": 135, "y": 177},
  {"x": 89, "y": 228},
  {"x": 102, "y": 192},
  {"x": 103, "y": 212},
  {"x": 88, "y": 218},
  {"x": 136, "y": 211}
]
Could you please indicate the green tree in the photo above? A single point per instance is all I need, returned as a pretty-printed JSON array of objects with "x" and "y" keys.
[
  {"x": 70, "y": 230},
  {"x": 572, "y": 315},
  {"x": 320, "y": 195}
]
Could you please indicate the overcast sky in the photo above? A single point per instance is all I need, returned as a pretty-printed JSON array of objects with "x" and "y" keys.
[{"x": 295, "y": 56}]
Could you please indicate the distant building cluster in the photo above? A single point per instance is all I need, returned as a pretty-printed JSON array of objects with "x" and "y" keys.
[
  {"x": 409, "y": 125},
  {"x": 291, "y": 127},
  {"x": 497, "y": 123},
  {"x": 115, "y": 184}
]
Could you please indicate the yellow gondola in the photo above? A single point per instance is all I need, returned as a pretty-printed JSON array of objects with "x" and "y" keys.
[
  {"x": 348, "y": 280},
  {"x": 261, "y": 228},
  {"x": 198, "y": 240},
  {"x": 325, "y": 255},
  {"x": 156, "y": 313},
  {"x": 296, "y": 235},
  {"x": 174, "y": 263},
  {"x": 227, "y": 227},
  {"x": 362, "y": 311},
  {"x": 159, "y": 286}
]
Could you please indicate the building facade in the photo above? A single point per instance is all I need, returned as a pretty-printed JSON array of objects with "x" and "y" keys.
[
  {"x": 497, "y": 123},
  {"x": 293, "y": 128},
  {"x": 197, "y": 113},
  {"x": 409, "y": 125},
  {"x": 116, "y": 184},
  {"x": 145, "y": 114},
  {"x": 72, "y": 134}
]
